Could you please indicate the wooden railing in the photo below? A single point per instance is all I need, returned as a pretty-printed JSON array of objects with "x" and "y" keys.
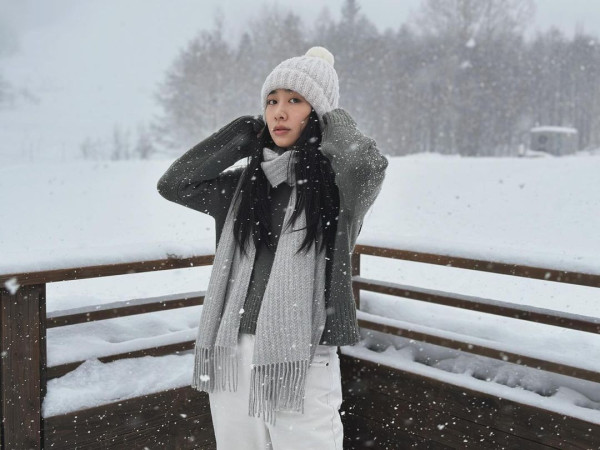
[
  {"x": 24, "y": 372},
  {"x": 514, "y": 425},
  {"x": 180, "y": 418},
  {"x": 512, "y": 310}
]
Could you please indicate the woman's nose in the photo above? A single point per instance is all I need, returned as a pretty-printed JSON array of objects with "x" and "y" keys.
[{"x": 280, "y": 112}]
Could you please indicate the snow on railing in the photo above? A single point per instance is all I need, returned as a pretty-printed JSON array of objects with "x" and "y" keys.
[
  {"x": 23, "y": 323},
  {"x": 500, "y": 351}
]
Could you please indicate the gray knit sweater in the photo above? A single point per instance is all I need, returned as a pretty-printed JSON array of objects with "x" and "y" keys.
[{"x": 199, "y": 180}]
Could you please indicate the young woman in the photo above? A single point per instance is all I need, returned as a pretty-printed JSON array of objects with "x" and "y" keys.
[{"x": 279, "y": 300}]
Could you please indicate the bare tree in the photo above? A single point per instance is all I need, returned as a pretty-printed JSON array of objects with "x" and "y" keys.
[
  {"x": 91, "y": 149},
  {"x": 144, "y": 147},
  {"x": 8, "y": 45},
  {"x": 211, "y": 83},
  {"x": 461, "y": 79},
  {"x": 120, "y": 144},
  {"x": 475, "y": 58},
  {"x": 462, "y": 20},
  {"x": 195, "y": 95}
]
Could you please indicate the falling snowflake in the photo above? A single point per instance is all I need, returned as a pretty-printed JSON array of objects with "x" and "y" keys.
[{"x": 11, "y": 285}]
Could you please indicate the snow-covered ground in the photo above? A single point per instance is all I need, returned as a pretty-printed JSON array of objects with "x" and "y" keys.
[{"x": 538, "y": 211}]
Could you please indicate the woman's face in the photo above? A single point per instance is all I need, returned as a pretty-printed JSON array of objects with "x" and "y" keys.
[{"x": 286, "y": 110}]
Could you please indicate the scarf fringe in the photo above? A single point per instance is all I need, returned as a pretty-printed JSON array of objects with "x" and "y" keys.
[
  {"x": 276, "y": 387},
  {"x": 215, "y": 368}
]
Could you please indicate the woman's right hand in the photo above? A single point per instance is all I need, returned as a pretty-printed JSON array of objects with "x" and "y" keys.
[{"x": 250, "y": 128}]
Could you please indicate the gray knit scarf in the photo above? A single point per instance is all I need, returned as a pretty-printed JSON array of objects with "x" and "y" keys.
[{"x": 291, "y": 318}]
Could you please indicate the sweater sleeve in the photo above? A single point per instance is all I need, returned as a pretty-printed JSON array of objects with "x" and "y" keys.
[
  {"x": 198, "y": 179},
  {"x": 358, "y": 165}
]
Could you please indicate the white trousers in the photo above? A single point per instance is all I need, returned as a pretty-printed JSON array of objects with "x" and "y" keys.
[{"x": 320, "y": 427}]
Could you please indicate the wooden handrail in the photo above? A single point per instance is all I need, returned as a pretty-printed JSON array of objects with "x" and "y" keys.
[
  {"x": 496, "y": 307},
  {"x": 123, "y": 308},
  {"x": 106, "y": 270},
  {"x": 162, "y": 350},
  {"x": 482, "y": 350},
  {"x": 27, "y": 308},
  {"x": 545, "y": 316},
  {"x": 517, "y": 270},
  {"x": 560, "y": 276}
]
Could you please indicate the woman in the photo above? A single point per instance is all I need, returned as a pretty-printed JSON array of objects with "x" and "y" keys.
[{"x": 279, "y": 300}]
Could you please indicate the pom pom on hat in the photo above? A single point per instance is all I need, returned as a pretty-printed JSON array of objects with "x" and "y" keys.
[
  {"x": 321, "y": 52},
  {"x": 311, "y": 75}
]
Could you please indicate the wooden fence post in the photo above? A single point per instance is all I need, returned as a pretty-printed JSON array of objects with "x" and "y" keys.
[
  {"x": 23, "y": 366},
  {"x": 356, "y": 271}
]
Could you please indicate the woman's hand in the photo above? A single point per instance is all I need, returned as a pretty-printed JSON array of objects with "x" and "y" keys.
[
  {"x": 340, "y": 131},
  {"x": 250, "y": 128},
  {"x": 338, "y": 116},
  {"x": 358, "y": 165}
]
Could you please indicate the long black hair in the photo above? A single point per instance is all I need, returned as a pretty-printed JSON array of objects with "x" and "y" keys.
[{"x": 316, "y": 193}]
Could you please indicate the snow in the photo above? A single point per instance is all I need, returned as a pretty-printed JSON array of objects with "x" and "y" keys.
[
  {"x": 124, "y": 334},
  {"x": 551, "y": 129},
  {"x": 530, "y": 153},
  {"x": 565, "y": 346},
  {"x": 94, "y": 383},
  {"x": 94, "y": 213},
  {"x": 507, "y": 210},
  {"x": 486, "y": 207},
  {"x": 458, "y": 372},
  {"x": 11, "y": 285},
  {"x": 538, "y": 211}
]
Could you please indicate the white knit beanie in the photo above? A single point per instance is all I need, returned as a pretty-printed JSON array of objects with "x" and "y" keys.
[{"x": 311, "y": 75}]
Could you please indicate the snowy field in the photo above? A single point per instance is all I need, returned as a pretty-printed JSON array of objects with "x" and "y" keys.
[{"x": 537, "y": 211}]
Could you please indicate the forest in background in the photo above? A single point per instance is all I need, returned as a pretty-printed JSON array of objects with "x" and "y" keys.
[{"x": 459, "y": 79}]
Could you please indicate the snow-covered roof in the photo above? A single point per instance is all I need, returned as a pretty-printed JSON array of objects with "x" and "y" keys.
[{"x": 551, "y": 129}]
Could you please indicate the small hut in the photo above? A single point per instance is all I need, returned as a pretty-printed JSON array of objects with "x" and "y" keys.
[{"x": 554, "y": 140}]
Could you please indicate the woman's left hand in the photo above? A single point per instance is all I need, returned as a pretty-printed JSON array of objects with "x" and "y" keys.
[{"x": 340, "y": 129}]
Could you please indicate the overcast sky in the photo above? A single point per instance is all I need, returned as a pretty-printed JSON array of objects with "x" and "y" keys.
[
  {"x": 95, "y": 64},
  {"x": 26, "y": 14}
]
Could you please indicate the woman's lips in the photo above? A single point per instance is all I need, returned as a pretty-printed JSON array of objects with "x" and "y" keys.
[{"x": 280, "y": 132}]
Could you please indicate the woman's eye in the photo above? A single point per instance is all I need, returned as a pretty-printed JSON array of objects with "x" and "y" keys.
[{"x": 274, "y": 101}]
